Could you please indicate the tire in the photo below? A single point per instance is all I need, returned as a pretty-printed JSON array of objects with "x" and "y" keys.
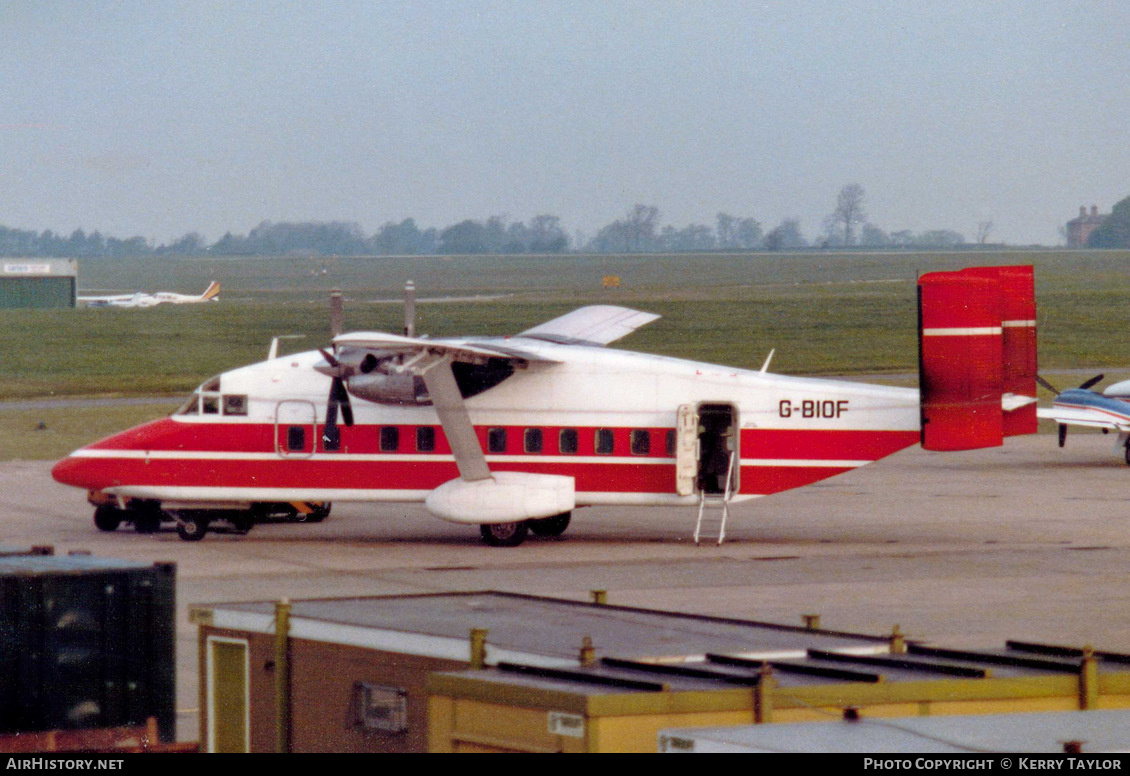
[
  {"x": 551, "y": 526},
  {"x": 504, "y": 534},
  {"x": 107, "y": 517},
  {"x": 192, "y": 529}
]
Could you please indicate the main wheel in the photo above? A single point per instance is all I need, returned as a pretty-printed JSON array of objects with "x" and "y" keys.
[
  {"x": 504, "y": 534},
  {"x": 107, "y": 517},
  {"x": 551, "y": 526},
  {"x": 192, "y": 529}
]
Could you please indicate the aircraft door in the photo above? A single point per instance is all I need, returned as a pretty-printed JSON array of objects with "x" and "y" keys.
[
  {"x": 707, "y": 440},
  {"x": 296, "y": 429},
  {"x": 718, "y": 437},
  {"x": 686, "y": 449}
]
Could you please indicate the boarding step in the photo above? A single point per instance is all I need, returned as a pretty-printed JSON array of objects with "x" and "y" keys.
[
  {"x": 716, "y": 501},
  {"x": 713, "y": 511}
]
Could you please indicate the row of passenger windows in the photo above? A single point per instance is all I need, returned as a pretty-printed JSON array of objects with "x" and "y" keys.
[{"x": 533, "y": 440}]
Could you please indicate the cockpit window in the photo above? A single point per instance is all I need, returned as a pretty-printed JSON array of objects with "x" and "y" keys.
[
  {"x": 207, "y": 400},
  {"x": 235, "y": 404},
  {"x": 190, "y": 407}
]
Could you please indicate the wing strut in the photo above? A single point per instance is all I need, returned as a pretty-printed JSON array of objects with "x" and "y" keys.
[{"x": 453, "y": 416}]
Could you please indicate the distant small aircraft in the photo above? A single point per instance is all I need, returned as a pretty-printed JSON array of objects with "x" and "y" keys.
[
  {"x": 142, "y": 299},
  {"x": 1109, "y": 410}
]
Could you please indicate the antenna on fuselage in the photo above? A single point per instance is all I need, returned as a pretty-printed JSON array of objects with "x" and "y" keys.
[
  {"x": 337, "y": 312},
  {"x": 273, "y": 353},
  {"x": 765, "y": 366},
  {"x": 410, "y": 309}
]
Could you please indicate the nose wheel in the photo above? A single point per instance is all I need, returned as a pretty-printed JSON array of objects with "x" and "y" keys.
[{"x": 192, "y": 528}]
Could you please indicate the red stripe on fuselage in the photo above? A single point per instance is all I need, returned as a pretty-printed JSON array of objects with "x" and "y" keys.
[{"x": 425, "y": 470}]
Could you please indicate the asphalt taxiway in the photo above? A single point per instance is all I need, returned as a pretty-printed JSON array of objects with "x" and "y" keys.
[{"x": 1027, "y": 541}]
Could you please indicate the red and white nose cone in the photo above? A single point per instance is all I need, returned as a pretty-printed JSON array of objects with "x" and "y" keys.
[{"x": 85, "y": 473}]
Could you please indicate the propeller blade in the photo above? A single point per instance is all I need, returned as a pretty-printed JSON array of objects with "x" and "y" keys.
[
  {"x": 339, "y": 397},
  {"x": 1062, "y": 434},
  {"x": 1092, "y": 381},
  {"x": 1047, "y": 385}
]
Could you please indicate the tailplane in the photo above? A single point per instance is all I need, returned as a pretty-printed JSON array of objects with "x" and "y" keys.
[{"x": 977, "y": 356}]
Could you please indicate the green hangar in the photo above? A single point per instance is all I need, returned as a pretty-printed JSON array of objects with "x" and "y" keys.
[{"x": 38, "y": 283}]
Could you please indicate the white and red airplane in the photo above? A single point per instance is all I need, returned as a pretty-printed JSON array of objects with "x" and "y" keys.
[
  {"x": 513, "y": 433},
  {"x": 142, "y": 299}
]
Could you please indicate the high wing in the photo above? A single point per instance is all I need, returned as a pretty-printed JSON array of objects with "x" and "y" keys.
[
  {"x": 593, "y": 325},
  {"x": 478, "y": 496}
]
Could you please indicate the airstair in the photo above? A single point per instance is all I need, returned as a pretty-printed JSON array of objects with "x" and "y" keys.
[{"x": 714, "y": 508}]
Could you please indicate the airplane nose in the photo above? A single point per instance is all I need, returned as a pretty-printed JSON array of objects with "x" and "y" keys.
[{"x": 77, "y": 472}]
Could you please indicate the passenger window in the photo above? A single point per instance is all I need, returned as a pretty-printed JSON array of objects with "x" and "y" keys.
[
  {"x": 296, "y": 438},
  {"x": 567, "y": 441},
  {"x": 533, "y": 440},
  {"x": 641, "y": 441},
  {"x": 235, "y": 405},
  {"x": 671, "y": 441},
  {"x": 390, "y": 439},
  {"x": 496, "y": 440},
  {"x": 604, "y": 441},
  {"x": 331, "y": 439},
  {"x": 425, "y": 439}
]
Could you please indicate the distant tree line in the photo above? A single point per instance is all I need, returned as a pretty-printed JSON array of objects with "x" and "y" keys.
[
  {"x": 638, "y": 231},
  {"x": 1114, "y": 232}
]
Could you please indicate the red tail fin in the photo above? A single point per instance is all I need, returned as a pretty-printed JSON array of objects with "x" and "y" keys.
[{"x": 977, "y": 356}]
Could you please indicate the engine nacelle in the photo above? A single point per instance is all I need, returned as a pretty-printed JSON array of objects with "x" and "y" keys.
[
  {"x": 388, "y": 388},
  {"x": 506, "y": 497}
]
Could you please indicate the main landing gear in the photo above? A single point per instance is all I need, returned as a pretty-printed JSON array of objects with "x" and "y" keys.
[
  {"x": 145, "y": 516},
  {"x": 513, "y": 534}
]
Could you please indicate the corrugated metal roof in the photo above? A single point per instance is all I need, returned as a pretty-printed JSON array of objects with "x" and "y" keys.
[
  {"x": 555, "y": 627},
  {"x": 1030, "y": 732}
]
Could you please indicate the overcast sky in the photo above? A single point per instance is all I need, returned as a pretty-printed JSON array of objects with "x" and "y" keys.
[{"x": 160, "y": 118}]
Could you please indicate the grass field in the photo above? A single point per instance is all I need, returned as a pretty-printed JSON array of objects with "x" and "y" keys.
[{"x": 850, "y": 313}]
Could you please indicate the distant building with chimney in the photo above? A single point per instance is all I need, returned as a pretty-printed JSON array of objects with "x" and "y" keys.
[{"x": 1079, "y": 229}]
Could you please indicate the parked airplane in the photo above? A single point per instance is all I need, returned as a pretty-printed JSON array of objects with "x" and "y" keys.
[
  {"x": 1109, "y": 410},
  {"x": 513, "y": 433},
  {"x": 142, "y": 299}
]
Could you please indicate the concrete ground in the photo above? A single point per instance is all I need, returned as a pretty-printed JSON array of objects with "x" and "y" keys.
[{"x": 1022, "y": 542}]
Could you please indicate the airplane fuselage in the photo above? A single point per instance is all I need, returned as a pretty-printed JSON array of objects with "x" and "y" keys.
[{"x": 606, "y": 418}]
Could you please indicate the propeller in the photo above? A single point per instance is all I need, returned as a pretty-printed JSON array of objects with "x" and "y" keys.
[
  {"x": 338, "y": 399},
  {"x": 1086, "y": 385}
]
